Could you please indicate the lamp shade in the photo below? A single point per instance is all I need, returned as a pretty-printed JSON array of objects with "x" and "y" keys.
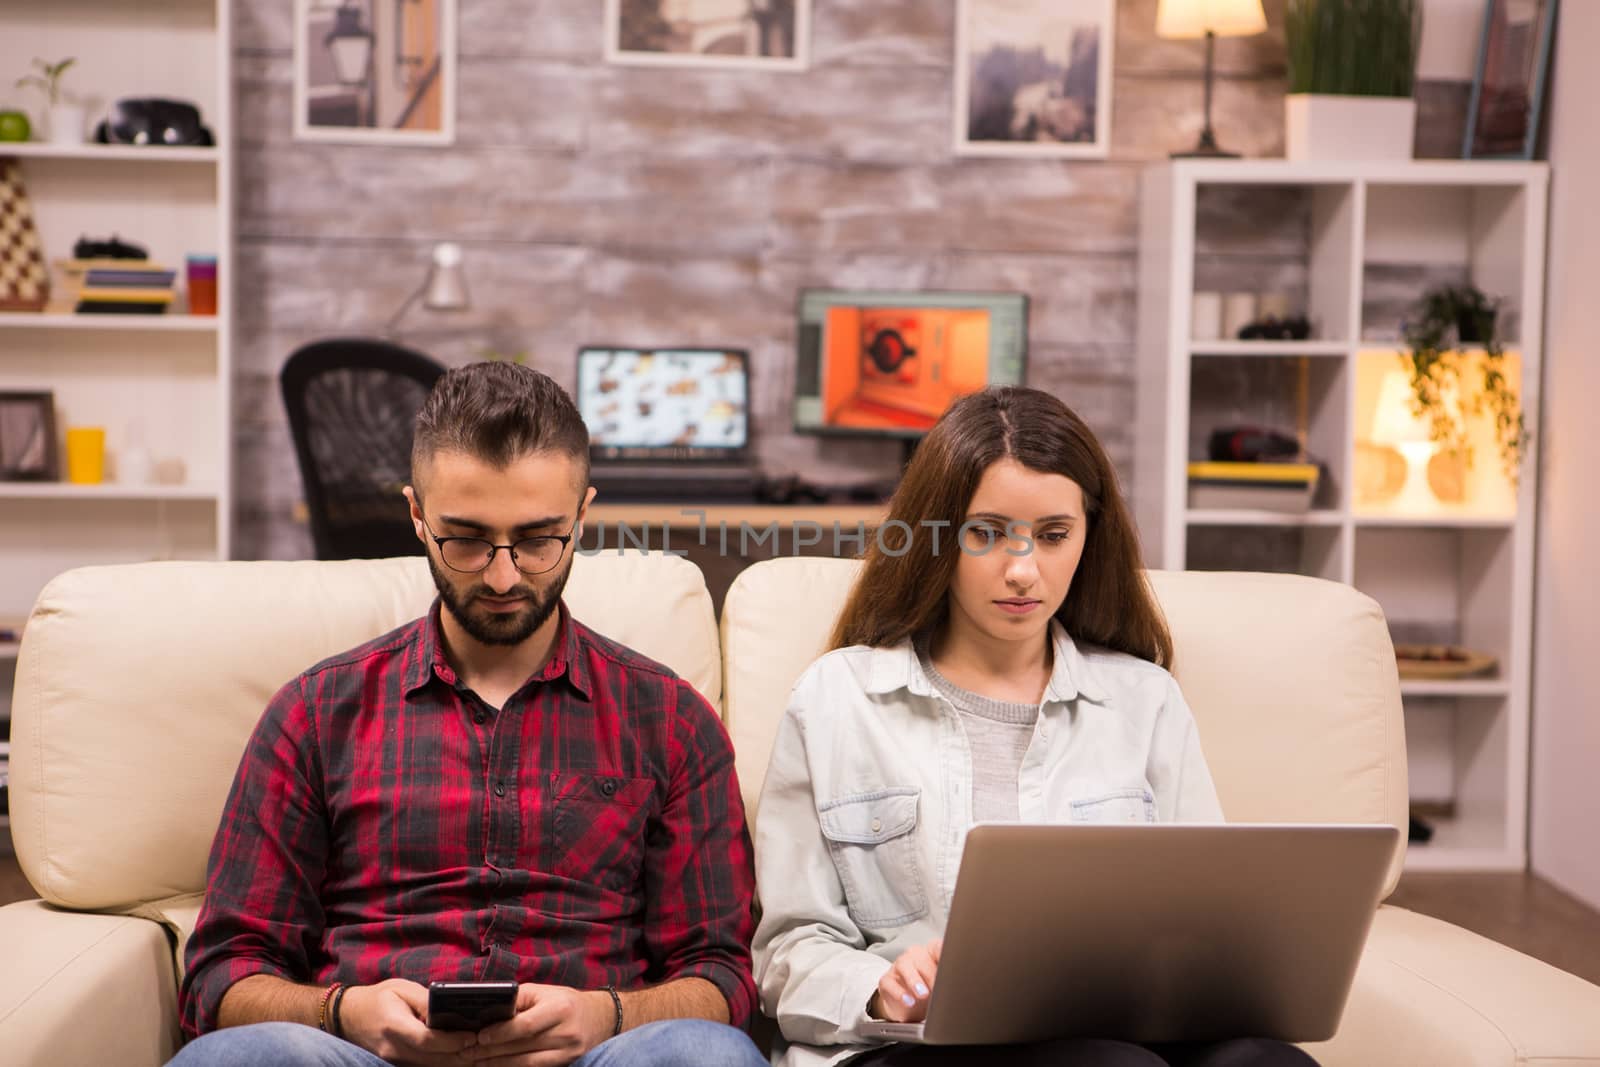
[
  {"x": 447, "y": 281},
  {"x": 1196, "y": 18},
  {"x": 1392, "y": 421}
]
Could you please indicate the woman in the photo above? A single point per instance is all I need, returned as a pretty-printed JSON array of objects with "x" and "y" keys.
[{"x": 1013, "y": 609}]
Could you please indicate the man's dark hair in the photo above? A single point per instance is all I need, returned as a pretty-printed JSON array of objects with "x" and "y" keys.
[{"x": 498, "y": 412}]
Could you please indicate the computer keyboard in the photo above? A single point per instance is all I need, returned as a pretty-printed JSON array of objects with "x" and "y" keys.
[{"x": 673, "y": 488}]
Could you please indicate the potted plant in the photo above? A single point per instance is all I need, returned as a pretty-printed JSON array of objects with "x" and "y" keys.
[
  {"x": 66, "y": 118},
  {"x": 1351, "y": 68},
  {"x": 1444, "y": 321},
  {"x": 519, "y": 357}
]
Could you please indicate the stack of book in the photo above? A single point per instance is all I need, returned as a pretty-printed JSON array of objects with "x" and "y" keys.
[
  {"x": 1267, "y": 486},
  {"x": 117, "y": 286}
]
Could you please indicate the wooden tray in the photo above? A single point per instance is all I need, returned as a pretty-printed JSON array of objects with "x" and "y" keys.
[{"x": 1442, "y": 661}]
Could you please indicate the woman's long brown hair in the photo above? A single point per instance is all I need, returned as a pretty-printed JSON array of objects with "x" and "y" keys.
[{"x": 904, "y": 590}]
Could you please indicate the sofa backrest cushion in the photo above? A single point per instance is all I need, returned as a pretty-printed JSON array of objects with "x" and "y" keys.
[
  {"x": 137, "y": 686},
  {"x": 1292, "y": 681}
]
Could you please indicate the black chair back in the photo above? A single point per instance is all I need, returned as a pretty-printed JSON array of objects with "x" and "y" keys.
[{"x": 352, "y": 403}]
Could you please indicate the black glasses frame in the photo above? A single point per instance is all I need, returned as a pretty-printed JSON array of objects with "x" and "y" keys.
[{"x": 494, "y": 549}]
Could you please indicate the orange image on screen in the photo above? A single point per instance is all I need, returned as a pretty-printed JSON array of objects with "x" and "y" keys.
[{"x": 900, "y": 368}]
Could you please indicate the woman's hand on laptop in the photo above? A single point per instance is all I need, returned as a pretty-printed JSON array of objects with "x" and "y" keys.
[{"x": 903, "y": 991}]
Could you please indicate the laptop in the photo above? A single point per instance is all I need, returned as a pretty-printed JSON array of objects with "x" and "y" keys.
[
  {"x": 1153, "y": 933},
  {"x": 667, "y": 424}
]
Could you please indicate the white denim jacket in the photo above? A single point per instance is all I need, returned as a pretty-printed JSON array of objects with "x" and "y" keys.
[{"x": 868, "y": 800}]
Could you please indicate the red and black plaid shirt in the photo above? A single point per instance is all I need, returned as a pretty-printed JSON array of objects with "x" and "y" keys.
[{"x": 386, "y": 823}]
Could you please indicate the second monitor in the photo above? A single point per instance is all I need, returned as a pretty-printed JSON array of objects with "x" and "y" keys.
[{"x": 890, "y": 363}]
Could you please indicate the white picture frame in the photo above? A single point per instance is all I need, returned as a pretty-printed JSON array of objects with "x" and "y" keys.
[
  {"x": 408, "y": 93},
  {"x": 1058, "y": 38},
  {"x": 710, "y": 36}
]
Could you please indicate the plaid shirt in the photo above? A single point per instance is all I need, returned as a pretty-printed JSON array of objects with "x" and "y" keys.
[{"x": 386, "y": 823}]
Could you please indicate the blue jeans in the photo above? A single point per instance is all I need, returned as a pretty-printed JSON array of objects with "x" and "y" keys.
[{"x": 671, "y": 1043}]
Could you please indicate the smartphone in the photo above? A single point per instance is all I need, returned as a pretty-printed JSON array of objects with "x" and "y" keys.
[{"x": 470, "y": 1005}]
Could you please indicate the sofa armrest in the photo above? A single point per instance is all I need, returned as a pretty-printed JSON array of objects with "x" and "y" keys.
[
  {"x": 1430, "y": 992},
  {"x": 82, "y": 988}
]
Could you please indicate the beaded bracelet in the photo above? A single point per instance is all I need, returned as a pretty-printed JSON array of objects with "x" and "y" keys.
[
  {"x": 616, "y": 1002},
  {"x": 322, "y": 1008}
]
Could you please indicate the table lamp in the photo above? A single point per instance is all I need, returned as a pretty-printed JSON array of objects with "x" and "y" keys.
[
  {"x": 1394, "y": 425},
  {"x": 1187, "y": 19},
  {"x": 444, "y": 288}
]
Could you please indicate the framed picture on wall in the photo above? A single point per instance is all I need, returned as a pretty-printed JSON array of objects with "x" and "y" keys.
[
  {"x": 754, "y": 34},
  {"x": 1508, "y": 87},
  {"x": 27, "y": 437},
  {"x": 375, "y": 71},
  {"x": 1033, "y": 77}
]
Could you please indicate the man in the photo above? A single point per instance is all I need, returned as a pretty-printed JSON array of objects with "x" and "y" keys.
[{"x": 493, "y": 791}]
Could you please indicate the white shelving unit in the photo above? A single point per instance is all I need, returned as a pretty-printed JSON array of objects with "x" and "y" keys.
[
  {"x": 104, "y": 153},
  {"x": 1353, "y": 244},
  {"x": 22, "y": 320},
  {"x": 159, "y": 382}
]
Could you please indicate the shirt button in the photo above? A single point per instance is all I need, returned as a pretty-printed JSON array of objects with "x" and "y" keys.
[
  {"x": 608, "y": 787},
  {"x": 499, "y": 789},
  {"x": 877, "y": 824},
  {"x": 479, "y": 717}
]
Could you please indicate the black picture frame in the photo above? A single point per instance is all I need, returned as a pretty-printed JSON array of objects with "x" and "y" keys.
[
  {"x": 28, "y": 437},
  {"x": 1507, "y": 102}
]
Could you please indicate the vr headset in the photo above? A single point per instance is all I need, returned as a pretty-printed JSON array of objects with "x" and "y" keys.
[{"x": 150, "y": 121}]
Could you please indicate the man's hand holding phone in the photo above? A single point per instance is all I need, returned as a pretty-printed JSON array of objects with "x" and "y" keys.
[
  {"x": 553, "y": 1025},
  {"x": 389, "y": 1020}
]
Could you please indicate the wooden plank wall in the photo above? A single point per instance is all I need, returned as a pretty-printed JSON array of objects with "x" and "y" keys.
[{"x": 601, "y": 203}]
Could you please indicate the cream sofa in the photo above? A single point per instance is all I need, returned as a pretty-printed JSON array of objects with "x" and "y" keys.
[{"x": 137, "y": 685}]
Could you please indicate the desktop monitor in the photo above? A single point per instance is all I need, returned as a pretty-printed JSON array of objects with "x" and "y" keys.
[
  {"x": 665, "y": 403},
  {"x": 889, "y": 364}
]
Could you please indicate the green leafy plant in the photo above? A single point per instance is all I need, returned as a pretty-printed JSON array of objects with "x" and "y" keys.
[
  {"x": 1445, "y": 320},
  {"x": 1353, "y": 47},
  {"x": 519, "y": 357},
  {"x": 48, "y": 80}
]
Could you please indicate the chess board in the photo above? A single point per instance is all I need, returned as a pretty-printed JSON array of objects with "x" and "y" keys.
[{"x": 24, "y": 281}]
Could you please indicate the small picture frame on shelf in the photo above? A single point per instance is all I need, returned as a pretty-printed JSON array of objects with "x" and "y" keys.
[
  {"x": 1508, "y": 87},
  {"x": 28, "y": 437},
  {"x": 371, "y": 72},
  {"x": 749, "y": 34},
  {"x": 1033, "y": 78}
]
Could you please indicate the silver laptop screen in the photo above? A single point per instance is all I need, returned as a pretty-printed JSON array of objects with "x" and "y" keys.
[{"x": 665, "y": 402}]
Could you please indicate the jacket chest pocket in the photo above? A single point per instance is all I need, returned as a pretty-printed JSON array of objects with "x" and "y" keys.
[
  {"x": 1118, "y": 806},
  {"x": 872, "y": 839},
  {"x": 597, "y": 827}
]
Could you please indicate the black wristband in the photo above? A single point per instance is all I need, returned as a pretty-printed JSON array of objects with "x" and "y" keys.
[
  {"x": 616, "y": 1002},
  {"x": 337, "y": 1025}
]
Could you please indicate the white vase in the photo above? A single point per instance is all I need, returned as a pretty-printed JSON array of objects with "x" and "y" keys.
[
  {"x": 66, "y": 123},
  {"x": 1325, "y": 127}
]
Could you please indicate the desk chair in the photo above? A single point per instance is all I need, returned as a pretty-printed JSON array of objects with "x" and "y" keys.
[{"x": 351, "y": 404}]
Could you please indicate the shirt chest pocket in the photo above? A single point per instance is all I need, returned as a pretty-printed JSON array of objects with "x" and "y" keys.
[
  {"x": 1117, "y": 806},
  {"x": 597, "y": 827},
  {"x": 872, "y": 838}
]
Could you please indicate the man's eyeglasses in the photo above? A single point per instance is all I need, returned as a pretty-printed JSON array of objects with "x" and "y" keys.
[{"x": 531, "y": 555}]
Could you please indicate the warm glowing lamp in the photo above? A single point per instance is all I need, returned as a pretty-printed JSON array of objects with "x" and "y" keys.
[
  {"x": 1394, "y": 424},
  {"x": 1210, "y": 19}
]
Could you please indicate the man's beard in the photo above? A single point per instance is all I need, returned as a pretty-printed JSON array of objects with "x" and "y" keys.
[{"x": 497, "y": 628}]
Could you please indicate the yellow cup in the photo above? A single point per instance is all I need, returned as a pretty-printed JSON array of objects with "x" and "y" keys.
[{"x": 86, "y": 455}]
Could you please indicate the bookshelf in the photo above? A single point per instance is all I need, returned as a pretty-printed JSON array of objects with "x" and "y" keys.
[
  {"x": 160, "y": 383},
  {"x": 1354, "y": 245}
]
